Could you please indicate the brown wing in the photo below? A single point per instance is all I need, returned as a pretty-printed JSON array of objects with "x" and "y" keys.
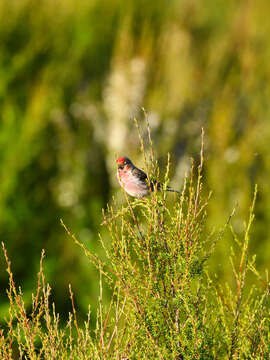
[{"x": 141, "y": 175}]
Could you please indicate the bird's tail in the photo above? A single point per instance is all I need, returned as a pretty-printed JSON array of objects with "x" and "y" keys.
[
  {"x": 172, "y": 190},
  {"x": 160, "y": 186}
]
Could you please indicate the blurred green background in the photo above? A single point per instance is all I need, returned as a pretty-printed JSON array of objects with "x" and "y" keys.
[{"x": 73, "y": 74}]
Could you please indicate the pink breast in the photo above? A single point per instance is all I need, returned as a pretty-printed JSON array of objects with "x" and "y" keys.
[{"x": 131, "y": 184}]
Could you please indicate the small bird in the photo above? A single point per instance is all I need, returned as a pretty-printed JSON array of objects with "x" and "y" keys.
[{"x": 133, "y": 180}]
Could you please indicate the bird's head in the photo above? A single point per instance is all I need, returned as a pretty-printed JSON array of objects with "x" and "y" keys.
[{"x": 123, "y": 162}]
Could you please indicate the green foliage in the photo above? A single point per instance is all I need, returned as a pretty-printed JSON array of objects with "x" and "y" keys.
[
  {"x": 73, "y": 74},
  {"x": 164, "y": 303}
]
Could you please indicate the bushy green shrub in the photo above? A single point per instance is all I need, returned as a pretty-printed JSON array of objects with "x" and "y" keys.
[{"x": 165, "y": 304}]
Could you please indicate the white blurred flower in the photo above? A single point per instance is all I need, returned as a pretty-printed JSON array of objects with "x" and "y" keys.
[
  {"x": 231, "y": 155},
  {"x": 123, "y": 97}
]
